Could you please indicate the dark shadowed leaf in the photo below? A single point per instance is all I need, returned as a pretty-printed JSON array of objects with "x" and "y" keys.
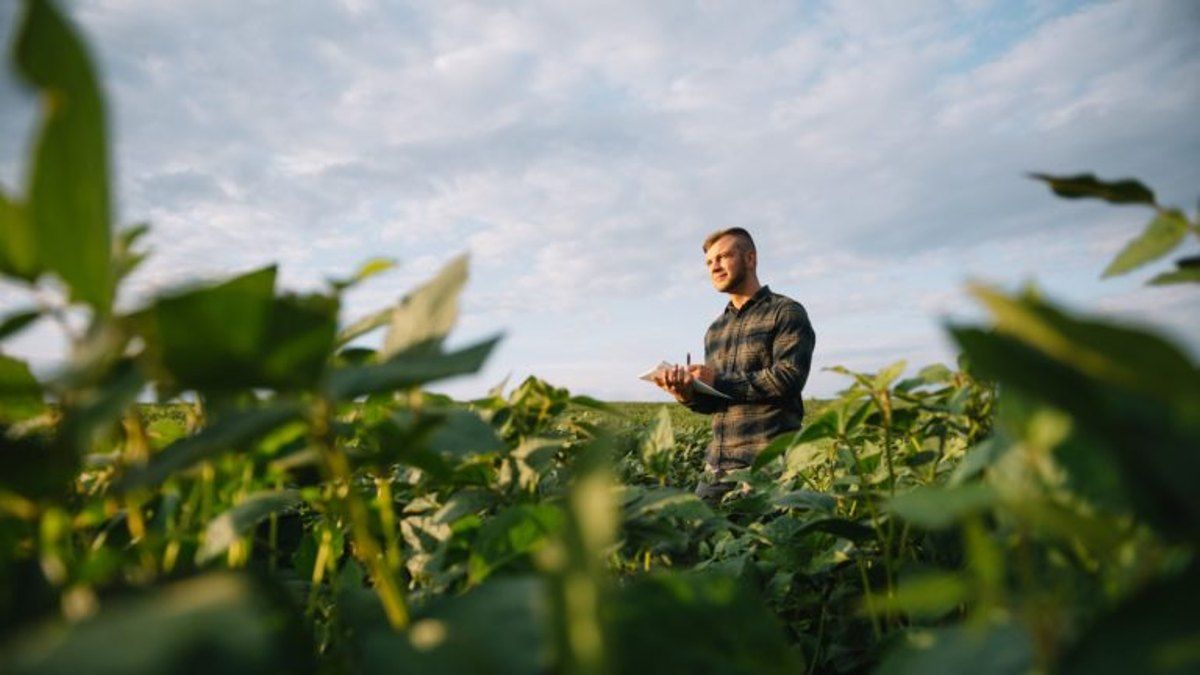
[
  {"x": 234, "y": 431},
  {"x": 226, "y": 528},
  {"x": 497, "y": 628},
  {"x": 1156, "y": 631},
  {"x": 1160, "y": 237},
  {"x": 68, "y": 208},
  {"x": 1188, "y": 271},
  {"x": 1088, "y": 186},
  {"x": 20, "y": 393},
  {"x": 993, "y": 650},
  {"x": 18, "y": 321},
  {"x": 694, "y": 623},
  {"x": 237, "y": 334},
  {"x": 806, "y": 499},
  {"x": 218, "y": 623},
  {"x": 839, "y": 527}
]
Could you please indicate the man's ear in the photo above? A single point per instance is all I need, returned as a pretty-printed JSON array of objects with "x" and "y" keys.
[{"x": 752, "y": 260}]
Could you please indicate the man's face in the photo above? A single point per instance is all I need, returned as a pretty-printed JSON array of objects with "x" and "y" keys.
[{"x": 727, "y": 263}]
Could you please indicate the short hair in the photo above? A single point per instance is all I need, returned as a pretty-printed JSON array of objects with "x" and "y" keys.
[{"x": 739, "y": 232}]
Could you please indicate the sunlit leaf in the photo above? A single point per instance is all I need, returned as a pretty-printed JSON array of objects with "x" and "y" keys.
[
  {"x": 1160, "y": 237},
  {"x": 427, "y": 314},
  {"x": 18, "y": 241},
  {"x": 68, "y": 207}
]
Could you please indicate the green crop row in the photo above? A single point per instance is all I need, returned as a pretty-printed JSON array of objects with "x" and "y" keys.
[{"x": 297, "y": 502}]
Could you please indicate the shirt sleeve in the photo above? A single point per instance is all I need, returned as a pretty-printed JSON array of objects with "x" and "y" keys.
[
  {"x": 791, "y": 355},
  {"x": 705, "y": 404}
]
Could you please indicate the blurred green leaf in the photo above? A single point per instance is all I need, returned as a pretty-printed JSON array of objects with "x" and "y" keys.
[
  {"x": 694, "y": 623},
  {"x": 407, "y": 369},
  {"x": 1102, "y": 349},
  {"x": 1188, "y": 271},
  {"x": 888, "y": 375},
  {"x": 1005, "y": 649},
  {"x": 463, "y": 433},
  {"x": 18, "y": 241},
  {"x": 226, "y": 528},
  {"x": 510, "y": 534},
  {"x": 365, "y": 271},
  {"x": 20, "y": 393},
  {"x": 806, "y": 499},
  {"x": 18, "y": 321},
  {"x": 937, "y": 508},
  {"x": 930, "y": 595},
  {"x": 778, "y": 445},
  {"x": 1160, "y": 237},
  {"x": 1086, "y": 185},
  {"x": 850, "y": 530},
  {"x": 1155, "y": 631},
  {"x": 217, "y": 623},
  {"x": 68, "y": 208},
  {"x": 236, "y": 334},
  {"x": 497, "y": 628},
  {"x": 426, "y": 315},
  {"x": 234, "y": 430}
]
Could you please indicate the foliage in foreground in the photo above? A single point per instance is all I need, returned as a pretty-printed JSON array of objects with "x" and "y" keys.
[{"x": 303, "y": 505}]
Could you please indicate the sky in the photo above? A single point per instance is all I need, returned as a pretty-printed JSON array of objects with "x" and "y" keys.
[{"x": 581, "y": 151}]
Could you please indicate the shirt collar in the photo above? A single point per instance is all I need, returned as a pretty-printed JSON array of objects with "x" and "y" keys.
[{"x": 759, "y": 295}]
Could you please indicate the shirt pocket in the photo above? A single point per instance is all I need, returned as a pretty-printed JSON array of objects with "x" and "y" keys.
[{"x": 754, "y": 352}]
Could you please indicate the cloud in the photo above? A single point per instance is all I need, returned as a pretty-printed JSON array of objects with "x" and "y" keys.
[{"x": 580, "y": 152}]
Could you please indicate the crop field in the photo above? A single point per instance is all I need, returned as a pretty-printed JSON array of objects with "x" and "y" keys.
[{"x": 298, "y": 501}]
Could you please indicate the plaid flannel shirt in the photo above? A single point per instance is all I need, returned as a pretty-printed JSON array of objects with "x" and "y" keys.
[{"x": 761, "y": 355}]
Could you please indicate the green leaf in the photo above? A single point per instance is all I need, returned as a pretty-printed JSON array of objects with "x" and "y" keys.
[
  {"x": 363, "y": 326},
  {"x": 495, "y": 629},
  {"x": 463, "y": 433},
  {"x": 1004, "y": 649},
  {"x": 779, "y": 445},
  {"x": 511, "y": 534},
  {"x": 1160, "y": 237},
  {"x": 888, "y": 375},
  {"x": 694, "y": 623},
  {"x": 236, "y": 335},
  {"x": 938, "y": 508},
  {"x": 18, "y": 241},
  {"x": 68, "y": 207},
  {"x": 850, "y": 530},
  {"x": 226, "y": 528},
  {"x": 407, "y": 369},
  {"x": 806, "y": 499},
  {"x": 20, "y": 393},
  {"x": 365, "y": 271},
  {"x": 239, "y": 629},
  {"x": 1156, "y": 631},
  {"x": 1086, "y": 185},
  {"x": 18, "y": 321},
  {"x": 427, "y": 314},
  {"x": 1188, "y": 271},
  {"x": 235, "y": 430},
  {"x": 1102, "y": 349},
  {"x": 927, "y": 596}
]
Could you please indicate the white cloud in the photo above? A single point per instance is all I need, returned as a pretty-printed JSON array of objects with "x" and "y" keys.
[{"x": 580, "y": 151}]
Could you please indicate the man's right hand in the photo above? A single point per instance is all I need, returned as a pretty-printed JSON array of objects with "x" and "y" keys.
[{"x": 676, "y": 381}]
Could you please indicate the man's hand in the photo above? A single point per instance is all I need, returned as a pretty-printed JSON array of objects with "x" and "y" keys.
[
  {"x": 703, "y": 373},
  {"x": 677, "y": 381}
]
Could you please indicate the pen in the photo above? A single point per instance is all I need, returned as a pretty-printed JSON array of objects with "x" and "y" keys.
[{"x": 689, "y": 358}]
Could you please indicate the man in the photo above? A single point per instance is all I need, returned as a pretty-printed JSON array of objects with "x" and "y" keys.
[{"x": 758, "y": 351}]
